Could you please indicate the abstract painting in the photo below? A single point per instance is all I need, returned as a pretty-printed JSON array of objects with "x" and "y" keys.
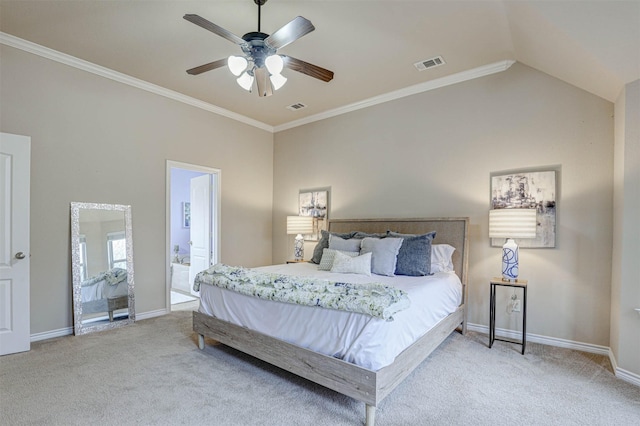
[
  {"x": 315, "y": 203},
  {"x": 528, "y": 190}
]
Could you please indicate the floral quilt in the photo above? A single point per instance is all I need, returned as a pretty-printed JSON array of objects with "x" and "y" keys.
[{"x": 374, "y": 299}]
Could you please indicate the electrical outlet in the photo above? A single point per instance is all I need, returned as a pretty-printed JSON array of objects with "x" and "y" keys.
[{"x": 516, "y": 305}]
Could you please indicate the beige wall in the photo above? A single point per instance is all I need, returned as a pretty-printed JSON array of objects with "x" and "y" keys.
[
  {"x": 625, "y": 291},
  {"x": 95, "y": 140},
  {"x": 431, "y": 155}
]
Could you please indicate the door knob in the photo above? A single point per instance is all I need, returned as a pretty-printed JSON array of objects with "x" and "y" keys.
[{"x": 19, "y": 255}]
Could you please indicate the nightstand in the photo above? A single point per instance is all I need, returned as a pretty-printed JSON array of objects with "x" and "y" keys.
[
  {"x": 492, "y": 310},
  {"x": 296, "y": 261}
]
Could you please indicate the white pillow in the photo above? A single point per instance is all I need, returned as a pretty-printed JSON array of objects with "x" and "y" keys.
[
  {"x": 328, "y": 256},
  {"x": 441, "y": 258},
  {"x": 384, "y": 254},
  {"x": 352, "y": 265},
  {"x": 337, "y": 243}
]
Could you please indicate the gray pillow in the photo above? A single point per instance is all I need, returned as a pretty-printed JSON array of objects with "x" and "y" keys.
[
  {"x": 414, "y": 257},
  {"x": 338, "y": 243},
  {"x": 383, "y": 254},
  {"x": 324, "y": 243},
  {"x": 329, "y": 255}
]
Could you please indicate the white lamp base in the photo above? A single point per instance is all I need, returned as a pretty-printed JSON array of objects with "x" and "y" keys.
[
  {"x": 298, "y": 248},
  {"x": 510, "y": 260}
]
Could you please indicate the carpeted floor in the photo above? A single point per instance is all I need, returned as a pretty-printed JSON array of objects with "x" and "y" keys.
[{"x": 152, "y": 373}]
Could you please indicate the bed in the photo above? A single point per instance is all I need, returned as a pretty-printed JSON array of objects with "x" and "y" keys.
[
  {"x": 367, "y": 383},
  {"x": 105, "y": 292}
]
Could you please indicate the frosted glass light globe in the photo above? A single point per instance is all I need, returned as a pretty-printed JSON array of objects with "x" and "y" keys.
[{"x": 237, "y": 64}]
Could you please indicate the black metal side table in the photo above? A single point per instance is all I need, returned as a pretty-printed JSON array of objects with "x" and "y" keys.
[{"x": 492, "y": 311}]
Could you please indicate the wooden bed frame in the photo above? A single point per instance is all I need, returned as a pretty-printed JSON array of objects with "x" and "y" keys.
[{"x": 349, "y": 379}]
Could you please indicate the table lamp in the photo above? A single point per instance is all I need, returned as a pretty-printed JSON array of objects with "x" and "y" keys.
[
  {"x": 510, "y": 224},
  {"x": 298, "y": 225}
]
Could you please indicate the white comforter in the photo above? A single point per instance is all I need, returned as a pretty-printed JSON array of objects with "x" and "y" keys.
[{"x": 357, "y": 338}]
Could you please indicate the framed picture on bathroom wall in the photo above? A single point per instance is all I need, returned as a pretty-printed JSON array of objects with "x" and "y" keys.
[
  {"x": 186, "y": 214},
  {"x": 529, "y": 189},
  {"x": 315, "y": 203}
]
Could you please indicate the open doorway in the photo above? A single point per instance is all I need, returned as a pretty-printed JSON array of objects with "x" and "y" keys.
[{"x": 193, "y": 225}]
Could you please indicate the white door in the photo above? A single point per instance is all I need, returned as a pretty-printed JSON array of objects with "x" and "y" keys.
[
  {"x": 200, "y": 229},
  {"x": 15, "y": 327}
]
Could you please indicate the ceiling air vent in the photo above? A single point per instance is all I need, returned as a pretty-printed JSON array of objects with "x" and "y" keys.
[
  {"x": 296, "y": 106},
  {"x": 429, "y": 63}
]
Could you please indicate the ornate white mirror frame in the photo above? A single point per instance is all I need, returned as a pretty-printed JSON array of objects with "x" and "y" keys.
[{"x": 109, "y": 299}]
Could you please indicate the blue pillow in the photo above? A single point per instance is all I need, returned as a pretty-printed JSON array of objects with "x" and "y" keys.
[
  {"x": 414, "y": 257},
  {"x": 361, "y": 235}
]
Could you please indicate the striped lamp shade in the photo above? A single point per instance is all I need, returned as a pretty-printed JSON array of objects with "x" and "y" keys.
[
  {"x": 512, "y": 223},
  {"x": 299, "y": 225}
]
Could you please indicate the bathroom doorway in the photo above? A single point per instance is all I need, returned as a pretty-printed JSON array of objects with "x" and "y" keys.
[{"x": 193, "y": 229}]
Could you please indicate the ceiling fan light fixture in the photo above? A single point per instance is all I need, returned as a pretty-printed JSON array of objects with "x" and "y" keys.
[
  {"x": 237, "y": 64},
  {"x": 261, "y": 63},
  {"x": 245, "y": 81},
  {"x": 274, "y": 64},
  {"x": 277, "y": 81}
]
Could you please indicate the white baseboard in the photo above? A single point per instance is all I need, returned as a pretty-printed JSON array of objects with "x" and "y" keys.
[
  {"x": 51, "y": 334},
  {"x": 36, "y": 337},
  {"x": 152, "y": 314},
  {"x": 620, "y": 373},
  {"x": 545, "y": 340},
  {"x": 625, "y": 375}
]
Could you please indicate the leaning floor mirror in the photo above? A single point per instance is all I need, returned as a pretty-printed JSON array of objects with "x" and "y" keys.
[{"x": 102, "y": 267}]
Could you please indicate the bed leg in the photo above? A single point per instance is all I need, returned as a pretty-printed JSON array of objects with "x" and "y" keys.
[
  {"x": 370, "y": 415},
  {"x": 200, "y": 341}
]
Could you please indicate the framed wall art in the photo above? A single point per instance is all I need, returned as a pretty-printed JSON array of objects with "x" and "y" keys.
[
  {"x": 528, "y": 189},
  {"x": 186, "y": 214},
  {"x": 315, "y": 203}
]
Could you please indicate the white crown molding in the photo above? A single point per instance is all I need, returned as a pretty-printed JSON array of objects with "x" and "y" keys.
[
  {"x": 407, "y": 91},
  {"x": 54, "y": 55}
]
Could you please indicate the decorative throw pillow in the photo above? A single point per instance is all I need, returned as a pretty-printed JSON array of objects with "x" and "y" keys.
[
  {"x": 328, "y": 255},
  {"x": 324, "y": 243},
  {"x": 441, "y": 258},
  {"x": 352, "y": 265},
  {"x": 361, "y": 235},
  {"x": 384, "y": 252},
  {"x": 338, "y": 243},
  {"x": 414, "y": 257}
]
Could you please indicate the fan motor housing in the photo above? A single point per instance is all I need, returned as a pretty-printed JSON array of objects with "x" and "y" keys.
[{"x": 255, "y": 47}]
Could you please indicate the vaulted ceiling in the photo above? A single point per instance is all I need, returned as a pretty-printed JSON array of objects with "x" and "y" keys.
[{"x": 370, "y": 45}]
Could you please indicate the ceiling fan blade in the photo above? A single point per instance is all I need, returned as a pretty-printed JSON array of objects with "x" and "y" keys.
[
  {"x": 262, "y": 81},
  {"x": 292, "y": 31},
  {"x": 307, "y": 68},
  {"x": 216, "y": 29},
  {"x": 207, "y": 67}
]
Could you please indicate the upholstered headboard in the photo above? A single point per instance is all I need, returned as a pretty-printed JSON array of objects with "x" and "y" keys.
[{"x": 449, "y": 230}]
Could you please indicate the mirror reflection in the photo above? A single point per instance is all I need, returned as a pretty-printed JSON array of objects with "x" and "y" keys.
[{"x": 102, "y": 263}]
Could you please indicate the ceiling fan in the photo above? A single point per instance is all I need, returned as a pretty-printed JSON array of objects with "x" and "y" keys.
[{"x": 259, "y": 61}]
